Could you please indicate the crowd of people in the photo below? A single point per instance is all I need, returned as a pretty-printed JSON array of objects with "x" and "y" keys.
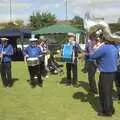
[{"x": 100, "y": 54}]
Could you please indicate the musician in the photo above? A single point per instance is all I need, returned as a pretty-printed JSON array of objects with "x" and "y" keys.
[
  {"x": 33, "y": 51},
  {"x": 43, "y": 45},
  {"x": 91, "y": 64},
  {"x": 72, "y": 67},
  {"x": 107, "y": 57},
  {"x": 6, "y": 52},
  {"x": 117, "y": 80}
]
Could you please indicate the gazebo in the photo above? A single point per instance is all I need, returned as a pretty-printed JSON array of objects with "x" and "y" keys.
[
  {"x": 57, "y": 29},
  {"x": 13, "y": 34}
]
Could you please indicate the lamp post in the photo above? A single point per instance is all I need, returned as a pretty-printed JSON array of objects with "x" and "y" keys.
[
  {"x": 10, "y": 10},
  {"x": 66, "y": 10}
]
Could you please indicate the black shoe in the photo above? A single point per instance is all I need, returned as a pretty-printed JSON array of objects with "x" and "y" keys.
[
  {"x": 84, "y": 70},
  {"x": 40, "y": 84},
  {"x": 118, "y": 97},
  {"x": 113, "y": 111},
  {"x": 5, "y": 85},
  {"x": 108, "y": 114},
  {"x": 10, "y": 85},
  {"x": 68, "y": 84},
  {"x": 33, "y": 85},
  {"x": 100, "y": 114},
  {"x": 93, "y": 91},
  {"x": 104, "y": 114},
  {"x": 75, "y": 85}
]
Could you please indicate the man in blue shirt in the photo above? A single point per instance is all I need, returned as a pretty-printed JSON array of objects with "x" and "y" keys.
[
  {"x": 107, "y": 57},
  {"x": 32, "y": 51},
  {"x": 6, "y": 51}
]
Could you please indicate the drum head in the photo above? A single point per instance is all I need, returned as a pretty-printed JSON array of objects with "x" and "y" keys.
[{"x": 32, "y": 59}]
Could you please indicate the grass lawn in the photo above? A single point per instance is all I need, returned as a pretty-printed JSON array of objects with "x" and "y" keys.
[{"x": 55, "y": 101}]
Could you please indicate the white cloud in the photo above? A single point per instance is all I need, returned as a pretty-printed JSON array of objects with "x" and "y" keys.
[
  {"x": 5, "y": 5},
  {"x": 99, "y": 8},
  {"x": 17, "y": 7},
  {"x": 109, "y": 9}
]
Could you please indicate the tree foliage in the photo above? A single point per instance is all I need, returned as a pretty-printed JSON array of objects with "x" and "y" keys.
[
  {"x": 11, "y": 25},
  {"x": 77, "y": 21},
  {"x": 39, "y": 20},
  {"x": 118, "y": 20},
  {"x": 115, "y": 27},
  {"x": 16, "y": 24},
  {"x": 19, "y": 23}
]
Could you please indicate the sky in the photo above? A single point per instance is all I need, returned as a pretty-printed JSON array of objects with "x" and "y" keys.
[{"x": 22, "y": 9}]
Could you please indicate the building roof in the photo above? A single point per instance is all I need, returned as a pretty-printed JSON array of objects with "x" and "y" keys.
[{"x": 15, "y": 32}]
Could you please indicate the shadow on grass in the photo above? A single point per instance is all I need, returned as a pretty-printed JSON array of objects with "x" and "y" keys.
[
  {"x": 87, "y": 97},
  {"x": 90, "y": 98},
  {"x": 29, "y": 82},
  {"x": 64, "y": 80},
  {"x": 84, "y": 85},
  {"x": 14, "y": 80},
  {"x": 114, "y": 95}
]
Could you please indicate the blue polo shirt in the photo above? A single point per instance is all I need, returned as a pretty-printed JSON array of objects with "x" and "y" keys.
[
  {"x": 8, "y": 49},
  {"x": 118, "y": 61},
  {"x": 32, "y": 51},
  {"x": 107, "y": 56},
  {"x": 89, "y": 49}
]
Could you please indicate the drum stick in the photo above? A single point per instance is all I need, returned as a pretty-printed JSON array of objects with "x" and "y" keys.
[{"x": 25, "y": 60}]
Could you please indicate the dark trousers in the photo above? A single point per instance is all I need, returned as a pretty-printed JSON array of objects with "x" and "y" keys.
[
  {"x": 71, "y": 68},
  {"x": 35, "y": 71},
  {"x": 42, "y": 66},
  {"x": 43, "y": 70},
  {"x": 91, "y": 68},
  {"x": 6, "y": 74},
  {"x": 105, "y": 91},
  {"x": 117, "y": 82}
]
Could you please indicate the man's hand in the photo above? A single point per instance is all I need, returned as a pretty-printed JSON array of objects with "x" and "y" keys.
[
  {"x": 3, "y": 53},
  {"x": 26, "y": 56},
  {"x": 0, "y": 55},
  {"x": 82, "y": 55}
]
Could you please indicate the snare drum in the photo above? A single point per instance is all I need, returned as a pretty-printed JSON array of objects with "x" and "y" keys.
[{"x": 33, "y": 61}]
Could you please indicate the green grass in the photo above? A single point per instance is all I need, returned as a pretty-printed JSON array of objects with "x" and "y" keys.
[{"x": 54, "y": 101}]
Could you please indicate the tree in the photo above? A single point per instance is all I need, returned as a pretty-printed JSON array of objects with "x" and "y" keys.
[
  {"x": 39, "y": 20},
  {"x": 19, "y": 23},
  {"x": 114, "y": 27},
  {"x": 118, "y": 20},
  {"x": 11, "y": 25},
  {"x": 77, "y": 21},
  {"x": 16, "y": 24}
]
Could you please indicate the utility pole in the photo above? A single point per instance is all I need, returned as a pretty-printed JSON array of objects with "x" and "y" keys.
[
  {"x": 66, "y": 10},
  {"x": 10, "y": 10}
]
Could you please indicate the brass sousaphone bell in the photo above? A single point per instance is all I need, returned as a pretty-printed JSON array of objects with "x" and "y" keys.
[{"x": 94, "y": 26}]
